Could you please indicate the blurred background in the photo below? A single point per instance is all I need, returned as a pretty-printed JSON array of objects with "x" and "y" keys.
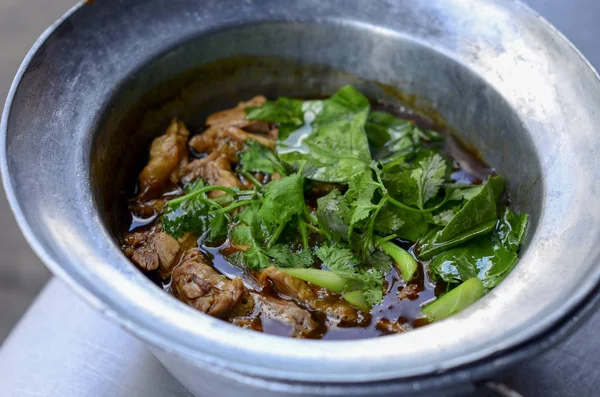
[{"x": 22, "y": 275}]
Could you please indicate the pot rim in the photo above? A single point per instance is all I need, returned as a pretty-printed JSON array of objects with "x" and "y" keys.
[{"x": 180, "y": 341}]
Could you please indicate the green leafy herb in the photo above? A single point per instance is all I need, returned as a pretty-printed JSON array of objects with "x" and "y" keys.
[
  {"x": 490, "y": 257},
  {"x": 334, "y": 214},
  {"x": 286, "y": 112},
  {"x": 477, "y": 217},
  {"x": 361, "y": 190},
  {"x": 343, "y": 262},
  {"x": 283, "y": 199},
  {"x": 408, "y": 224},
  {"x": 193, "y": 212},
  {"x": 444, "y": 217},
  {"x": 430, "y": 177},
  {"x": 286, "y": 256},
  {"x": 511, "y": 228},
  {"x": 259, "y": 158},
  {"x": 332, "y": 139}
]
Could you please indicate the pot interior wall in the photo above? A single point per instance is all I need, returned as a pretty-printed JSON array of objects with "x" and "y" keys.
[{"x": 215, "y": 71}]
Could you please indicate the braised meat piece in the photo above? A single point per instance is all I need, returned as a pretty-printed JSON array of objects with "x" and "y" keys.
[
  {"x": 389, "y": 327},
  {"x": 151, "y": 249},
  {"x": 409, "y": 291},
  {"x": 301, "y": 320},
  {"x": 167, "y": 154},
  {"x": 228, "y": 129},
  {"x": 302, "y": 292},
  {"x": 236, "y": 113},
  {"x": 228, "y": 138},
  {"x": 202, "y": 287},
  {"x": 215, "y": 169},
  {"x": 248, "y": 322},
  {"x": 147, "y": 208}
]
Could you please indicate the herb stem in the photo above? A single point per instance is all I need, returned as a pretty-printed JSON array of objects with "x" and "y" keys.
[
  {"x": 275, "y": 235},
  {"x": 200, "y": 191},
  {"x": 303, "y": 232},
  {"x": 252, "y": 179},
  {"x": 315, "y": 228},
  {"x": 234, "y": 206},
  {"x": 381, "y": 240},
  {"x": 403, "y": 206}
]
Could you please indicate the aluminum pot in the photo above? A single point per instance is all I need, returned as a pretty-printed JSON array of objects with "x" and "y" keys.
[{"x": 104, "y": 80}]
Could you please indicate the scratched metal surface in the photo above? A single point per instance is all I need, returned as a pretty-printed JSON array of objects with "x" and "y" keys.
[{"x": 570, "y": 369}]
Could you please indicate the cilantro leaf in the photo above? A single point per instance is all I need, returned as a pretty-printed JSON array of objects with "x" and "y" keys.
[
  {"x": 430, "y": 177},
  {"x": 388, "y": 221},
  {"x": 251, "y": 254},
  {"x": 400, "y": 184},
  {"x": 191, "y": 213},
  {"x": 259, "y": 158},
  {"x": 408, "y": 224},
  {"x": 333, "y": 214},
  {"x": 361, "y": 190},
  {"x": 346, "y": 264},
  {"x": 285, "y": 256},
  {"x": 283, "y": 199}
]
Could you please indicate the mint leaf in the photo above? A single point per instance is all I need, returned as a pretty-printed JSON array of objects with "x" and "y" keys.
[
  {"x": 286, "y": 112},
  {"x": 391, "y": 137}
]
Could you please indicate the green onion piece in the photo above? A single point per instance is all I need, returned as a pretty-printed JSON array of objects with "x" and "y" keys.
[
  {"x": 405, "y": 263},
  {"x": 322, "y": 278},
  {"x": 357, "y": 299},
  {"x": 456, "y": 300}
]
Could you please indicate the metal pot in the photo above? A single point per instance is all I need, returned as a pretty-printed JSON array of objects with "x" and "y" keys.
[{"x": 104, "y": 80}]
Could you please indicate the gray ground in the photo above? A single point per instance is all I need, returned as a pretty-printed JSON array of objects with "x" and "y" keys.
[{"x": 22, "y": 21}]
